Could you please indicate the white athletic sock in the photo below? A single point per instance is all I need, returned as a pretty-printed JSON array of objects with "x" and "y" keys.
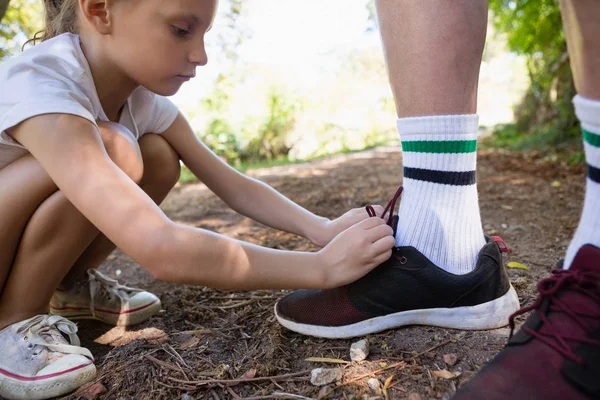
[
  {"x": 588, "y": 231},
  {"x": 439, "y": 210}
]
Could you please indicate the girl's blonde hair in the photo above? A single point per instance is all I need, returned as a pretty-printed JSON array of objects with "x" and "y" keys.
[{"x": 61, "y": 17}]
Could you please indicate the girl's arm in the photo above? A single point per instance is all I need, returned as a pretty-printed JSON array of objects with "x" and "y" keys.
[
  {"x": 253, "y": 198},
  {"x": 70, "y": 150}
]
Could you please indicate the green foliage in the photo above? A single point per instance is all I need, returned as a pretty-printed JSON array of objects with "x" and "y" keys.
[
  {"x": 271, "y": 141},
  {"x": 266, "y": 142},
  {"x": 533, "y": 28},
  {"x": 22, "y": 19},
  {"x": 221, "y": 139}
]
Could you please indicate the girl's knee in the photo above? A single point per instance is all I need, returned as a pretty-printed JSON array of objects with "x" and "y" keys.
[
  {"x": 123, "y": 149},
  {"x": 161, "y": 161}
]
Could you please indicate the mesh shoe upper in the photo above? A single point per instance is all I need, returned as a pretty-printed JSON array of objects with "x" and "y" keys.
[
  {"x": 407, "y": 281},
  {"x": 556, "y": 353}
]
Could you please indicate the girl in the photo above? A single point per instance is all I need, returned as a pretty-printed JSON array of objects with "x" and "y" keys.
[{"x": 88, "y": 145}]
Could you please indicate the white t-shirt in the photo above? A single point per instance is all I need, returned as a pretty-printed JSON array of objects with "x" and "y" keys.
[{"x": 54, "y": 77}]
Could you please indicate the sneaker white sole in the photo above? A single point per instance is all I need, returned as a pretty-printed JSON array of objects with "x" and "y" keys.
[
  {"x": 124, "y": 318},
  {"x": 491, "y": 315},
  {"x": 14, "y": 387}
]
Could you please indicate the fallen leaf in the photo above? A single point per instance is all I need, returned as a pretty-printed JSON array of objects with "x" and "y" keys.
[
  {"x": 190, "y": 343},
  {"x": 92, "y": 391},
  {"x": 249, "y": 374},
  {"x": 516, "y": 265},
  {"x": 450, "y": 359},
  {"x": 388, "y": 382},
  {"x": 327, "y": 360},
  {"x": 556, "y": 184},
  {"x": 445, "y": 374},
  {"x": 506, "y": 207},
  {"x": 414, "y": 396},
  {"x": 386, "y": 385}
]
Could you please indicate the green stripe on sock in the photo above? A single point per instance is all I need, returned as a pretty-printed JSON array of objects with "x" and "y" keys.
[
  {"x": 440, "y": 146},
  {"x": 591, "y": 138}
]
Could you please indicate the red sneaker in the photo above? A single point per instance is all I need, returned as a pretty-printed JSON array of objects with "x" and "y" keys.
[{"x": 556, "y": 354}]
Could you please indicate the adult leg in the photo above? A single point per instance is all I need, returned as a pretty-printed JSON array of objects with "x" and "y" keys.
[
  {"x": 555, "y": 354},
  {"x": 42, "y": 232},
  {"x": 433, "y": 51},
  {"x": 581, "y": 19}
]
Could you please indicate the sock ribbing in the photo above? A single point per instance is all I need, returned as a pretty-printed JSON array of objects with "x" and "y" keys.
[
  {"x": 439, "y": 211},
  {"x": 588, "y": 230}
]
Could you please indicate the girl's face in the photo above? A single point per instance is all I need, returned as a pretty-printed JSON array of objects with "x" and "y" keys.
[{"x": 159, "y": 43}]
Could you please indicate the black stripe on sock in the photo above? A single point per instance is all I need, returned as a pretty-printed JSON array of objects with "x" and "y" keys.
[
  {"x": 443, "y": 177},
  {"x": 593, "y": 173}
]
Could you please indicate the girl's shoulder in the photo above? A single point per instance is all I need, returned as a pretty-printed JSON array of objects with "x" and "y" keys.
[
  {"x": 60, "y": 56},
  {"x": 50, "y": 77}
]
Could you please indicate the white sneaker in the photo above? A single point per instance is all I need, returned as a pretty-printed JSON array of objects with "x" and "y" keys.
[
  {"x": 37, "y": 362},
  {"x": 106, "y": 300}
]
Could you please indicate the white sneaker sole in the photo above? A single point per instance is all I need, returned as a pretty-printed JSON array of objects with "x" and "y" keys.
[
  {"x": 491, "y": 315},
  {"x": 13, "y": 387},
  {"x": 124, "y": 318}
]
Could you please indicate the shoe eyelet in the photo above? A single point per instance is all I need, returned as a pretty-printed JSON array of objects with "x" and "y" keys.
[
  {"x": 25, "y": 338},
  {"x": 403, "y": 260},
  {"x": 30, "y": 346}
]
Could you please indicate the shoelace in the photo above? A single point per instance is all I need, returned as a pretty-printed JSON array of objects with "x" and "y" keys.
[
  {"x": 584, "y": 282},
  {"x": 45, "y": 330},
  {"x": 389, "y": 208},
  {"x": 99, "y": 282}
]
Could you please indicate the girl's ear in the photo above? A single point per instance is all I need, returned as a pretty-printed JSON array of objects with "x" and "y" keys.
[{"x": 98, "y": 14}]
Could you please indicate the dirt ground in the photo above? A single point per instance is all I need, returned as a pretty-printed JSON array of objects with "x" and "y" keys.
[{"x": 206, "y": 339}]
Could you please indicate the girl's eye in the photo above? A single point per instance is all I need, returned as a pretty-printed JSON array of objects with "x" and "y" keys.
[{"x": 180, "y": 32}]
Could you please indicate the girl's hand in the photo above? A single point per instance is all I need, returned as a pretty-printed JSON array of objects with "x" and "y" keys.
[
  {"x": 333, "y": 228},
  {"x": 356, "y": 251}
]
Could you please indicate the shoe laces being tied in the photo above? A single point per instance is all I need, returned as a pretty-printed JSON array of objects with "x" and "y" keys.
[
  {"x": 391, "y": 206},
  {"x": 47, "y": 331},
  {"x": 101, "y": 285},
  {"x": 583, "y": 282}
]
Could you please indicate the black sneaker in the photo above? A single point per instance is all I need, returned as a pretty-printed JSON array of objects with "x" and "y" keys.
[{"x": 407, "y": 289}]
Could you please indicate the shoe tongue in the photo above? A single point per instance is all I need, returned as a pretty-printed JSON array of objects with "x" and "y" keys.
[{"x": 51, "y": 335}]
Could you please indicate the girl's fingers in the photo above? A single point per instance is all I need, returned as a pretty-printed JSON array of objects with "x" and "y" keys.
[{"x": 378, "y": 232}]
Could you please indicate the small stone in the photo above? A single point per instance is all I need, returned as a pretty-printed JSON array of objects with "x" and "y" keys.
[
  {"x": 374, "y": 384},
  {"x": 186, "y": 397},
  {"x": 450, "y": 359},
  {"x": 359, "y": 350},
  {"x": 516, "y": 228},
  {"x": 325, "y": 376}
]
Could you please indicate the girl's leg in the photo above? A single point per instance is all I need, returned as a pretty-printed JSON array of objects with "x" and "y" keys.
[
  {"x": 161, "y": 173},
  {"x": 42, "y": 234}
]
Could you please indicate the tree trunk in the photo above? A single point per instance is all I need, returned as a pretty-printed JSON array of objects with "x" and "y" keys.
[{"x": 3, "y": 8}]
